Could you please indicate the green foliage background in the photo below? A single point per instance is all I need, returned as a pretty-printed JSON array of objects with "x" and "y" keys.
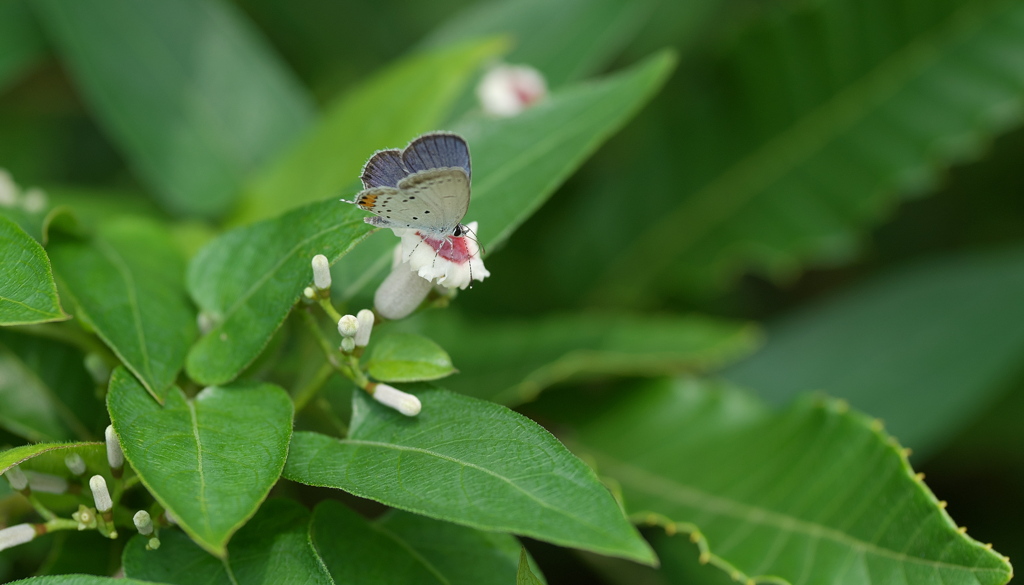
[{"x": 746, "y": 253}]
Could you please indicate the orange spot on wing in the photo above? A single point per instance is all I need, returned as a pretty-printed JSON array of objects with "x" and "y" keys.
[{"x": 367, "y": 201}]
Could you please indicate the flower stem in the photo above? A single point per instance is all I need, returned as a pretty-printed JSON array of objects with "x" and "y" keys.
[
  {"x": 328, "y": 308},
  {"x": 307, "y": 392}
]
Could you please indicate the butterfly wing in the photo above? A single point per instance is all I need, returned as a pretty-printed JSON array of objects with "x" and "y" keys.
[
  {"x": 384, "y": 169},
  {"x": 437, "y": 150}
]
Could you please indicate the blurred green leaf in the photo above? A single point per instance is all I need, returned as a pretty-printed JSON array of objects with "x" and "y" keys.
[
  {"x": 188, "y": 90},
  {"x": 471, "y": 462},
  {"x": 817, "y": 493},
  {"x": 79, "y": 580},
  {"x": 220, "y": 452},
  {"x": 127, "y": 285},
  {"x": 925, "y": 347},
  {"x": 518, "y": 162},
  {"x": 525, "y": 574},
  {"x": 27, "y": 291},
  {"x": 272, "y": 548},
  {"x": 247, "y": 280},
  {"x": 25, "y": 453},
  {"x": 803, "y": 134},
  {"x": 410, "y": 97},
  {"x": 86, "y": 552},
  {"x": 404, "y": 548},
  {"x": 406, "y": 357},
  {"x": 512, "y": 361},
  {"x": 45, "y": 392},
  {"x": 21, "y": 41},
  {"x": 567, "y": 40}
]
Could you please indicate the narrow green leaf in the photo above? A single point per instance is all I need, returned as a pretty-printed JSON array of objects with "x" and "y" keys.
[
  {"x": 407, "y": 99},
  {"x": 405, "y": 357},
  {"x": 52, "y": 452},
  {"x": 21, "y": 42},
  {"x": 78, "y": 580},
  {"x": 127, "y": 284},
  {"x": 806, "y": 131},
  {"x": 272, "y": 548},
  {"x": 246, "y": 281},
  {"x": 525, "y": 574},
  {"x": 815, "y": 494},
  {"x": 566, "y": 40},
  {"x": 518, "y": 162},
  {"x": 885, "y": 345},
  {"x": 473, "y": 463},
  {"x": 219, "y": 453},
  {"x": 511, "y": 362},
  {"x": 215, "y": 104},
  {"x": 404, "y": 548},
  {"x": 27, "y": 291}
]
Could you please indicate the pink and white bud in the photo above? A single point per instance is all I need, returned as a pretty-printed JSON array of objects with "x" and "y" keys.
[
  {"x": 17, "y": 478},
  {"x": 366, "y": 319},
  {"x": 100, "y": 494},
  {"x": 46, "y": 483},
  {"x": 18, "y": 534},
  {"x": 392, "y": 397},
  {"x": 348, "y": 326},
  {"x": 321, "y": 272},
  {"x": 115, "y": 456},
  {"x": 75, "y": 463},
  {"x": 143, "y": 522},
  {"x": 507, "y": 90}
]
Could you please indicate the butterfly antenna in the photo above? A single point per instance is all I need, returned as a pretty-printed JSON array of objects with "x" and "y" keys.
[{"x": 476, "y": 239}]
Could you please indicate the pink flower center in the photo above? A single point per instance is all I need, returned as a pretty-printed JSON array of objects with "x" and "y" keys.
[{"x": 451, "y": 248}]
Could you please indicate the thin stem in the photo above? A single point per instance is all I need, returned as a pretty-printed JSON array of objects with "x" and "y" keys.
[
  {"x": 40, "y": 509},
  {"x": 55, "y": 524},
  {"x": 307, "y": 392},
  {"x": 325, "y": 345},
  {"x": 328, "y": 308}
]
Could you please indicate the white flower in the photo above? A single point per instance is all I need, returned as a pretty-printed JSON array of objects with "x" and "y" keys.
[
  {"x": 366, "y": 319},
  {"x": 15, "y": 535},
  {"x": 453, "y": 262},
  {"x": 115, "y": 456},
  {"x": 399, "y": 295},
  {"x": 348, "y": 325},
  {"x": 46, "y": 483},
  {"x": 75, "y": 462},
  {"x": 143, "y": 522},
  {"x": 100, "y": 494},
  {"x": 507, "y": 90},
  {"x": 17, "y": 478},
  {"x": 403, "y": 402},
  {"x": 321, "y": 272}
]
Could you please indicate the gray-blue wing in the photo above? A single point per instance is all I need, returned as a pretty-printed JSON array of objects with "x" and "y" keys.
[
  {"x": 437, "y": 150},
  {"x": 384, "y": 169}
]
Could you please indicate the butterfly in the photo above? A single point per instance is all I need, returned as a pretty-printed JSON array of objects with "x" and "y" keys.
[{"x": 424, "y": 186}]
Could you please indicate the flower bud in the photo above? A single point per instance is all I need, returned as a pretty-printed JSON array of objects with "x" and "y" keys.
[
  {"x": 17, "y": 478},
  {"x": 46, "y": 483},
  {"x": 153, "y": 544},
  {"x": 365, "y": 318},
  {"x": 507, "y": 90},
  {"x": 143, "y": 522},
  {"x": 403, "y": 402},
  {"x": 348, "y": 326},
  {"x": 75, "y": 463},
  {"x": 348, "y": 345},
  {"x": 18, "y": 534},
  {"x": 401, "y": 292},
  {"x": 115, "y": 456},
  {"x": 321, "y": 272},
  {"x": 85, "y": 516},
  {"x": 309, "y": 293},
  {"x": 100, "y": 495},
  {"x": 33, "y": 200}
]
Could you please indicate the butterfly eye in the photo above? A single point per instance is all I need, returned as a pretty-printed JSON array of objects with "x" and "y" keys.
[{"x": 458, "y": 231}]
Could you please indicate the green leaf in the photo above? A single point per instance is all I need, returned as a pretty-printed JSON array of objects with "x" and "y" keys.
[
  {"x": 39, "y": 392},
  {"x": 271, "y": 548},
  {"x": 511, "y": 362},
  {"x": 806, "y": 132},
  {"x": 409, "y": 98},
  {"x": 814, "y": 494},
  {"x": 127, "y": 284},
  {"x": 403, "y": 548},
  {"x": 27, "y": 291},
  {"x": 566, "y": 40},
  {"x": 473, "y": 463},
  {"x": 219, "y": 453},
  {"x": 21, "y": 43},
  {"x": 885, "y": 345},
  {"x": 525, "y": 574},
  {"x": 518, "y": 162},
  {"x": 247, "y": 280},
  {"x": 78, "y": 580},
  {"x": 405, "y": 357},
  {"x": 216, "y": 103},
  {"x": 50, "y": 453}
]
